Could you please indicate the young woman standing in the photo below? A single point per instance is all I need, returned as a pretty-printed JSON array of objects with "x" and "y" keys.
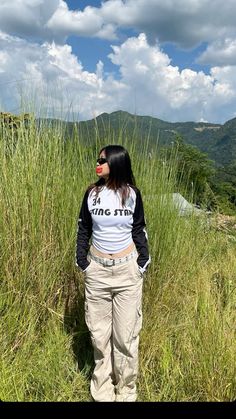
[{"x": 112, "y": 216}]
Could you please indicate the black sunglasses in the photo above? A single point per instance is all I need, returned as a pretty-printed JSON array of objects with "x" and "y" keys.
[{"x": 101, "y": 160}]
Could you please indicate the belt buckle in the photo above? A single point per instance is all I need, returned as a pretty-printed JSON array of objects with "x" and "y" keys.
[{"x": 109, "y": 262}]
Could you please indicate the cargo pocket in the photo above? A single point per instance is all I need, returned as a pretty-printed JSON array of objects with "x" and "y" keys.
[
  {"x": 138, "y": 323},
  {"x": 139, "y": 272},
  {"x": 86, "y": 315}
]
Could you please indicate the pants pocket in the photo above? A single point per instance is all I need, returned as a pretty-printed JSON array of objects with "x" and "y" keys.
[
  {"x": 138, "y": 323},
  {"x": 89, "y": 268},
  {"x": 86, "y": 315},
  {"x": 139, "y": 274}
]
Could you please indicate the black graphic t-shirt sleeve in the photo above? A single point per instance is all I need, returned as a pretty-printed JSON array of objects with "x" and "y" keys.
[
  {"x": 139, "y": 233},
  {"x": 84, "y": 233}
]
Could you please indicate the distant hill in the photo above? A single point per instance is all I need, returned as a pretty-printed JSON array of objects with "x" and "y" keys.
[{"x": 218, "y": 141}]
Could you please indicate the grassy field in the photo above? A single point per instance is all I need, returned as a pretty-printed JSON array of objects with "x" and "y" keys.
[{"x": 187, "y": 344}]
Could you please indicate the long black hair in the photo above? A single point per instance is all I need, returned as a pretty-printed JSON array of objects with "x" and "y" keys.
[{"x": 120, "y": 175}]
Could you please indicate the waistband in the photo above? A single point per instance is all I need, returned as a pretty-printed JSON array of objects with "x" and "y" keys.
[{"x": 113, "y": 262}]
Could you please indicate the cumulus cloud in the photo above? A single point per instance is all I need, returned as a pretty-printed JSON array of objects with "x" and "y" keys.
[
  {"x": 221, "y": 52},
  {"x": 162, "y": 90},
  {"x": 52, "y": 20},
  {"x": 27, "y": 18},
  {"x": 49, "y": 79},
  {"x": 88, "y": 22},
  {"x": 53, "y": 80},
  {"x": 186, "y": 23}
]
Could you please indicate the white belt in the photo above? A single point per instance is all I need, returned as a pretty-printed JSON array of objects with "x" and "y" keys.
[{"x": 112, "y": 262}]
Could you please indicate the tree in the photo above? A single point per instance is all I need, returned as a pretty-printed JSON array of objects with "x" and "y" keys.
[
  {"x": 224, "y": 186},
  {"x": 194, "y": 171}
]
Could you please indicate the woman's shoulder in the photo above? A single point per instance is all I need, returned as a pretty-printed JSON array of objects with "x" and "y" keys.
[
  {"x": 88, "y": 191},
  {"x": 95, "y": 190},
  {"x": 90, "y": 188},
  {"x": 134, "y": 189}
]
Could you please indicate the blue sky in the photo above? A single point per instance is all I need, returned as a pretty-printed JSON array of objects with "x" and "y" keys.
[
  {"x": 174, "y": 60},
  {"x": 91, "y": 50}
]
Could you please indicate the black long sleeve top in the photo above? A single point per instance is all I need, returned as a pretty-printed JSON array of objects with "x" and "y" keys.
[{"x": 111, "y": 226}]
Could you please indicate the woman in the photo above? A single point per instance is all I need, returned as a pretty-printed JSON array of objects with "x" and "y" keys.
[{"x": 112, "y": 213}]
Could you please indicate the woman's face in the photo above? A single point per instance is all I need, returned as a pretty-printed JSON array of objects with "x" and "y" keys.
[{"x": 102, "y": 169}]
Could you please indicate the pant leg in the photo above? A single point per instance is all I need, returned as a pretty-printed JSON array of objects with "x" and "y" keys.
[
  {"x": 98, "y": 315},
  {"x": 127, "y": 323}
]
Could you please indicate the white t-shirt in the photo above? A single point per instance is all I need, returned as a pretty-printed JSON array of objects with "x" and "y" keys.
[
  {"x": 112, "y": 223},
  {"x": 111, "y": 226}
]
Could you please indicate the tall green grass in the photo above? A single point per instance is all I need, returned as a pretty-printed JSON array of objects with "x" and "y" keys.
[{"x": 187, "y": 349}]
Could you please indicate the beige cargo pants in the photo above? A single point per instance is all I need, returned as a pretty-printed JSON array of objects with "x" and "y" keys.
[{"x": 113, "y": 314}]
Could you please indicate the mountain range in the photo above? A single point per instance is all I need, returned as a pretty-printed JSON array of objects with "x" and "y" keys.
[{"x": 218, "y": 141}]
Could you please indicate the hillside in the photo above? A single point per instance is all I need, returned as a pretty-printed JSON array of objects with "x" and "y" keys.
[{"x": 218, "y": 141}]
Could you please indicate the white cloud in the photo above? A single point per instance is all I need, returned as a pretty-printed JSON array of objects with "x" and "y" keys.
[
  {"x": 162, "y": 90},
  {"x": 186, "y": 23},
  {"x": 54, "y": 81},
  {"x": 86, "y": 23},
  {"x": 51, "y": 80},
  {"x": 221, "y": 52},
  {"x": 52, "y": 20},
  {"x": 26, "y": 18}
]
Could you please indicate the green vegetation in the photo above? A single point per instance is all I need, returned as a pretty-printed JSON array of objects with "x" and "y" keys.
[
  {"x": 210, "y": 187},
  {"x": 217, "y": 141},
  {"x": 187, "y": 345},
  {"x": 206, "y": 152},
  {"x": 193, "y": 172},
  {"x": 223, "y": 183}
]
